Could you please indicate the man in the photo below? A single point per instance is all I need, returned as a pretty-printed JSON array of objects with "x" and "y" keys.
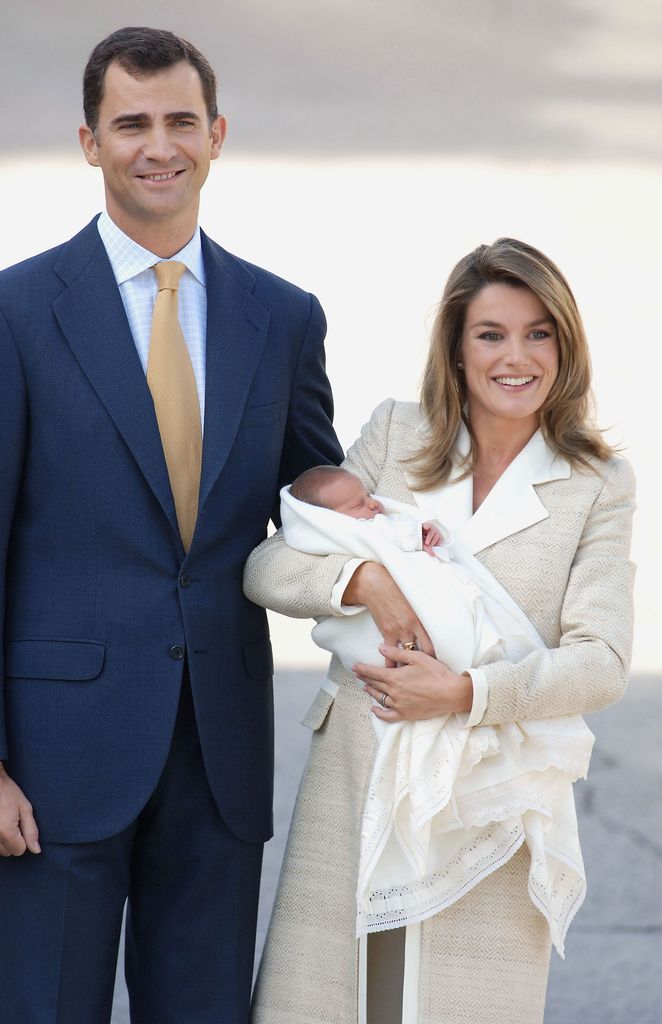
[{"x": 155, "y": 394}]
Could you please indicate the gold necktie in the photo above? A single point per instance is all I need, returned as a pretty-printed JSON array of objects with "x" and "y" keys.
[{"x": 172, "y": 383}]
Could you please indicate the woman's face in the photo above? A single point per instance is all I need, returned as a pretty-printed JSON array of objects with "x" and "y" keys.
[{"x": 510, "y": 354}]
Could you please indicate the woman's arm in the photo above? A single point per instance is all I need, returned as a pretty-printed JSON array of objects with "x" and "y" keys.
[
  {"x": 300, "y": 585},
  {"x": 586, "y": 671},
  {"x": 589, "y": 669}
]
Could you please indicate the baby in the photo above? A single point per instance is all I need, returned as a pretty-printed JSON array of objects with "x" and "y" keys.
[
  {"x": 432, "y": 826},
  {"x": 341, "y": 491}
]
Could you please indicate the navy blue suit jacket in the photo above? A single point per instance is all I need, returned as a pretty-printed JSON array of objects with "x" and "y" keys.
[{"x": 99, "y": 601}]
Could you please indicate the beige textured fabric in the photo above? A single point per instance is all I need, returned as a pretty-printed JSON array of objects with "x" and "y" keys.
[
  {"x": 171, "y": 381},
  {"x": 485, "y": 959}
]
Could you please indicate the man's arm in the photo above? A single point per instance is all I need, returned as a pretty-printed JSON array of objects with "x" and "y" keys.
[
  {"x": 18, "y": 830},
  {"x": 310, "y": 439}
]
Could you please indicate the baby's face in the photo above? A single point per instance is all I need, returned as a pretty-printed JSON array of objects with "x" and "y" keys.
[{"x": 347, "y": 494}]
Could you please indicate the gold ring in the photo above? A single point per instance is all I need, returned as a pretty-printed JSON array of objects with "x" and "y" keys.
[{"x": 411, "y": 645}]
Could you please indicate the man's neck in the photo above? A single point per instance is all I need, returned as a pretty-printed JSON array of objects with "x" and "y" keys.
[{"x": 163, "y": 238}]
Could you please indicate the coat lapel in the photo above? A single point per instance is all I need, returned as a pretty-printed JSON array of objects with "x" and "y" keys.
[
  {"x": 236, "y": 331},
  {"x": 92, "y": 318},
  {"x": 512, "y": 505}
]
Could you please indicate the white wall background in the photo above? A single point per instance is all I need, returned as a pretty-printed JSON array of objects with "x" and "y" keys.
[{"x": 373, "y": 144}]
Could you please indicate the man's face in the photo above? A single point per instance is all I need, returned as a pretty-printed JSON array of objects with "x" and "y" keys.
[{"x": 153, "y": 144}]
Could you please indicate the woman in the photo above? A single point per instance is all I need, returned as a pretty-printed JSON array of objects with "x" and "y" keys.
[{"x": 502, "y": 450}]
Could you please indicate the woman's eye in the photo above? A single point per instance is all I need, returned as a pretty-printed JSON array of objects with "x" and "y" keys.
[
  {"x": 490, "y": 336},
  {"x": 539, "y": 335}
]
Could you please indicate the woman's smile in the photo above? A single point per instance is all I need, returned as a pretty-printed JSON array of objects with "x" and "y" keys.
[{"x": 514, "y": 382}]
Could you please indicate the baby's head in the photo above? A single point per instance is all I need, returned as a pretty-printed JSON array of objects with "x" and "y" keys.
[{"x": 337, "y": 489}]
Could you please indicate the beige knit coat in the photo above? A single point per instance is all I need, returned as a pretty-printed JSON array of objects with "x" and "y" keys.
[{"x": 485, "y": 959}]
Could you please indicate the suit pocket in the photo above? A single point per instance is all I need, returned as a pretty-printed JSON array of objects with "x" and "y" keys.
[
  {"x": 258, "y": 415},
  {"x": 315, "y": 716},
  {"x": 259, "y": 659},
  {"x": 75, "y": 660}
]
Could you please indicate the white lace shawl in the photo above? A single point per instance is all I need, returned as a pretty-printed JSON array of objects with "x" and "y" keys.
[{"x": 446, "y": 805}]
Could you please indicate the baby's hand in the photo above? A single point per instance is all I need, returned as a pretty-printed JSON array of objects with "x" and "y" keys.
[{"x": 431, "y": 537}]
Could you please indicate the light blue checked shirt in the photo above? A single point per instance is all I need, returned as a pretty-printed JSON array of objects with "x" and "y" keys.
[{"x": 137, "y": 284}]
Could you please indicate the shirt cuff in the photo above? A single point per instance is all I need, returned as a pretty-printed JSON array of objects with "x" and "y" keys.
[
  {"x": 340, "y": 586},
  {"x": 479, "y": 705}
]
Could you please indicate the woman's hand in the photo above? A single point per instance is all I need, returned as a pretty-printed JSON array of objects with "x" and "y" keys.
[
  {"x": 419, "y": 688},
  {"x": 373, "y": 586}
]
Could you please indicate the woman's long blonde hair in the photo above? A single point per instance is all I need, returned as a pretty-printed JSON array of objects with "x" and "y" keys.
[{"x": 566, "y": 417}]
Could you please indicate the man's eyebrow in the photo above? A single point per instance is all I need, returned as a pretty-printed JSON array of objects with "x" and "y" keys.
[
  {"x": 142, "y": 117},
  {"x": 128, "y": 119},
  {"x": 183, "y": 115}
]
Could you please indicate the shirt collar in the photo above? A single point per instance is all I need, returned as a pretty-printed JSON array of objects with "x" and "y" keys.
[{"x": 128, "y": 258}]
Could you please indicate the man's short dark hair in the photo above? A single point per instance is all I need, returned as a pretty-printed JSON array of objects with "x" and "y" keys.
[{"x": 141, "y": 52}]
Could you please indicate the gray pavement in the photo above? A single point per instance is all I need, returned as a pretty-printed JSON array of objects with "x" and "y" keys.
[{"x": 612, "y": 973}]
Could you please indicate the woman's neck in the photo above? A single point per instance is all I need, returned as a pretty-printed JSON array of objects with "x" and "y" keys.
[{"x": 498, "y": 443}]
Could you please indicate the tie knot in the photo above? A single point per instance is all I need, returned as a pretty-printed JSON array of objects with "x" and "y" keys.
[{"x": 168, "y": 274}]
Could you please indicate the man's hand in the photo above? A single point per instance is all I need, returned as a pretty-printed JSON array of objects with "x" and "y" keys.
[
  {"x": 18, "y": 829},
  {"x": 373, "y": 586}
]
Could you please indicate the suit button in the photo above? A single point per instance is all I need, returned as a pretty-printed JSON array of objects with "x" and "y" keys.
[
  {"x": 177, "y": 652},
  {"x": 185, "y": 580}
]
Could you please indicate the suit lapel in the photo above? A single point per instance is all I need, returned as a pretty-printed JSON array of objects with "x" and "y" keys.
[
  {"x": 91, "y": 315},
  {"x": 92, "y": 318},
  {"x": 236, "y": 331}
]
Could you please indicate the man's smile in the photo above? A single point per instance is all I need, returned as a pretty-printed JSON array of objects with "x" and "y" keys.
[{"x": 162, "y": 176}]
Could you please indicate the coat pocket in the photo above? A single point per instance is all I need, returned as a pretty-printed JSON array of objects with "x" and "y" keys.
[
  {"x": 259, "y": 659},
  {"x": 315, "y": 716},
  {"x": 258, "y": 415},
  {"x": 75, "y": 660}
]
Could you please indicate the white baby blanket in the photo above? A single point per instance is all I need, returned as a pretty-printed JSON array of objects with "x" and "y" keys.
[{"x": 447, "y": 805}]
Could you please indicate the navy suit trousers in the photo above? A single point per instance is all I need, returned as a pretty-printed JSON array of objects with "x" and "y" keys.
[{"x": 192, "y": 890}]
